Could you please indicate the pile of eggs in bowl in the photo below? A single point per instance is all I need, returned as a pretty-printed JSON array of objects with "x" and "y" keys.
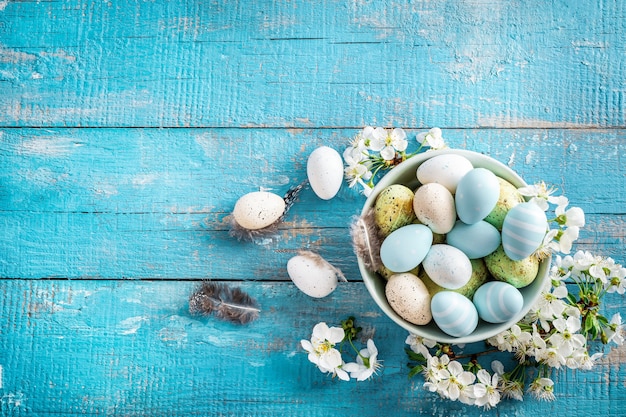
[{"x": 457, "y": 249}]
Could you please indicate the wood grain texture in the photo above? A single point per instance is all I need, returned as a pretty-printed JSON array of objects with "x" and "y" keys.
[
  {"x": 128, "y": 130},
  {"x": 130, "y": 348},
  {"x": 475, "y": 63},
  {"x": 155, "y": 203}
]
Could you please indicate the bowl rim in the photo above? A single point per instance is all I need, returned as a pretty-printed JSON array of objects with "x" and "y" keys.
[{"x": 375, "y": 283}]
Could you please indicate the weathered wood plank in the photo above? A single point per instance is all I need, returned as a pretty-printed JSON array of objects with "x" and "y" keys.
[
  {"x": 75, "y": 206},
  {"x": 312, "y": 63},
  {"x": 130, "y": 348}
]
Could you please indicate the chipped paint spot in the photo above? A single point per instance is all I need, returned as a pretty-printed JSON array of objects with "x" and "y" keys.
[
  {"x": 11, "y": 402},
  {"x": 3, "y": 5},
  {"x": 130, "y": 325},
  {"x": 43, "y": 176},
  {"x": 48, "y": 146},
  {"x": 511, "y": 159},
  {"x": 1, "y": 376},
  {"x": 14, "y": 56},
  {"x": 529, "y": 157},
  {"x": 60, "y": 54},
  {"x": 144, "y": 179},
  {"x": 204, "y": 140}
]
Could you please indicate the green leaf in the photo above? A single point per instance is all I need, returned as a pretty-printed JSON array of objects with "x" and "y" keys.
[{"x": 415, "y": 370}]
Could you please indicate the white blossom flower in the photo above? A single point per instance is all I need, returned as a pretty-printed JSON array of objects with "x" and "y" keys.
[
  {"x": 486, "y": 391},
  {"x": 615, "y": 332},
  {"x": 549, "y": 306},
  {"x": 566, "y": 339},
  {"x": 419, "y": 344},
  {"x": 355, "y": 173},
  {"x": 511, "y": 339},
  {"x": 322, "y": 352},
  {"x": 542, "y": 389},
  {"x": 540, "y": 194},
  {"x": 386, "y": 142},
  {"x": 574, "y": 216},
  {"x": 455, "y": 382},
  {"x": 432, "y": 138},
  {"x": 551, "y": 356},
  {"x": 567, "y": 238},
  {"x": 366, "y": 364},
  {"x": 357, "y": 151}
]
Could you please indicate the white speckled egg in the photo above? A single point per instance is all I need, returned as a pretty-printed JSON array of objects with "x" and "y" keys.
[
  {"x": 258, "y": 209},
  {"x": 446, "y": 170},
  {"x": 324, "y": 169},
  {"x": 497, "y": 302},
  {"x": 408, "y": 296},
  {"x": 447, "y": 266},
  {"x": 475, "y": 240},
  {"x": 406, "y": 247},
  {"x": 476, "y": 195},
  {"x": 454, "y": 313},
  {"x": 523, "y": 230},
  {"x": 434, "y": 206},
  {"x": 313, "y": 275}
]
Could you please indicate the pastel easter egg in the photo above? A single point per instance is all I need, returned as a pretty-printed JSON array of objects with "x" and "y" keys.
[
  {"x": 258, "y": 209},
  {"x": 509, "y": 197},
  {"x": 475, "y": 240},
  {"x": 434, "y": 206},
  {"x": 446, "y": 170},
  {"x": 476, "y": 195},
  {"x": 517, "y": 273},
  {"x": 393, "y": 208},
  {"x": 447, "y": 266},
  {"x": 406, "y": 247},
  {"x": 497, "y": 302},
  {"x": 523, "y": 230},
  {"x": 313, "y": 275},
  {"x": 480, "y": 274},
  {"x": 324, "y": 169},
  {"x": 408, "y": 296},
  {"x": 454, "y": 313}
]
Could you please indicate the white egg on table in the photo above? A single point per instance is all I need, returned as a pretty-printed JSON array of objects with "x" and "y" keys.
[
  {"x": 446, "y": 170},
  {"x": 406, "y": 247},
  {"x": 523, "y": 230},
  {"x": 475, "y": 240},
  {"x": 476, "y": 195},
  {"x": 312, "y": 274},
  {"x": 497, "y": 302},
  {"x": 447, "y": 266},
  {"x": 258, "y": 209},
  {"x": 324, "y": 171},
  {"x": 408, "y": 296},
  {"x": 454, "y": 313},
  {"x": 434, "y": 206}
]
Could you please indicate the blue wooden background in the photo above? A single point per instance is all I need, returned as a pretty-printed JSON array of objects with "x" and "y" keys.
[{"x": 128, "y": 129}]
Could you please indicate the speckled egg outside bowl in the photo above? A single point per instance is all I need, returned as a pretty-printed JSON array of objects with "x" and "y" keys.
[{"x": 405, "y": 173}]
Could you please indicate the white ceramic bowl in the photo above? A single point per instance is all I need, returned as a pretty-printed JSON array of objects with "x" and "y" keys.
[{"x": 405, "y": 173}]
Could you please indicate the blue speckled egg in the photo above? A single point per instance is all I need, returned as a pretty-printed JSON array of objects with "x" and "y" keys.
[
  {"x": 447, "y": 266},
  {"x": 497, "y": 302},
  {"x": 406, "y": 247},
  {"x": 476, "y": 195},
  {"x": 523, "y": 230},
  {"x": 454, "y": 313},
  {"x": 475, "y": 240}
]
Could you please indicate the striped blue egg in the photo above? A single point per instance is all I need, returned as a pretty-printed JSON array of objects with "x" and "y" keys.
[
  {"x": 454, "y": 313},
  {"x": 474, "y": 240},
  {"x": 406, "y": 247},
  {"x": 523, "y": 230},
  {"x": 476, "y": 195},
  {"x": 497, "y": 302}
]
